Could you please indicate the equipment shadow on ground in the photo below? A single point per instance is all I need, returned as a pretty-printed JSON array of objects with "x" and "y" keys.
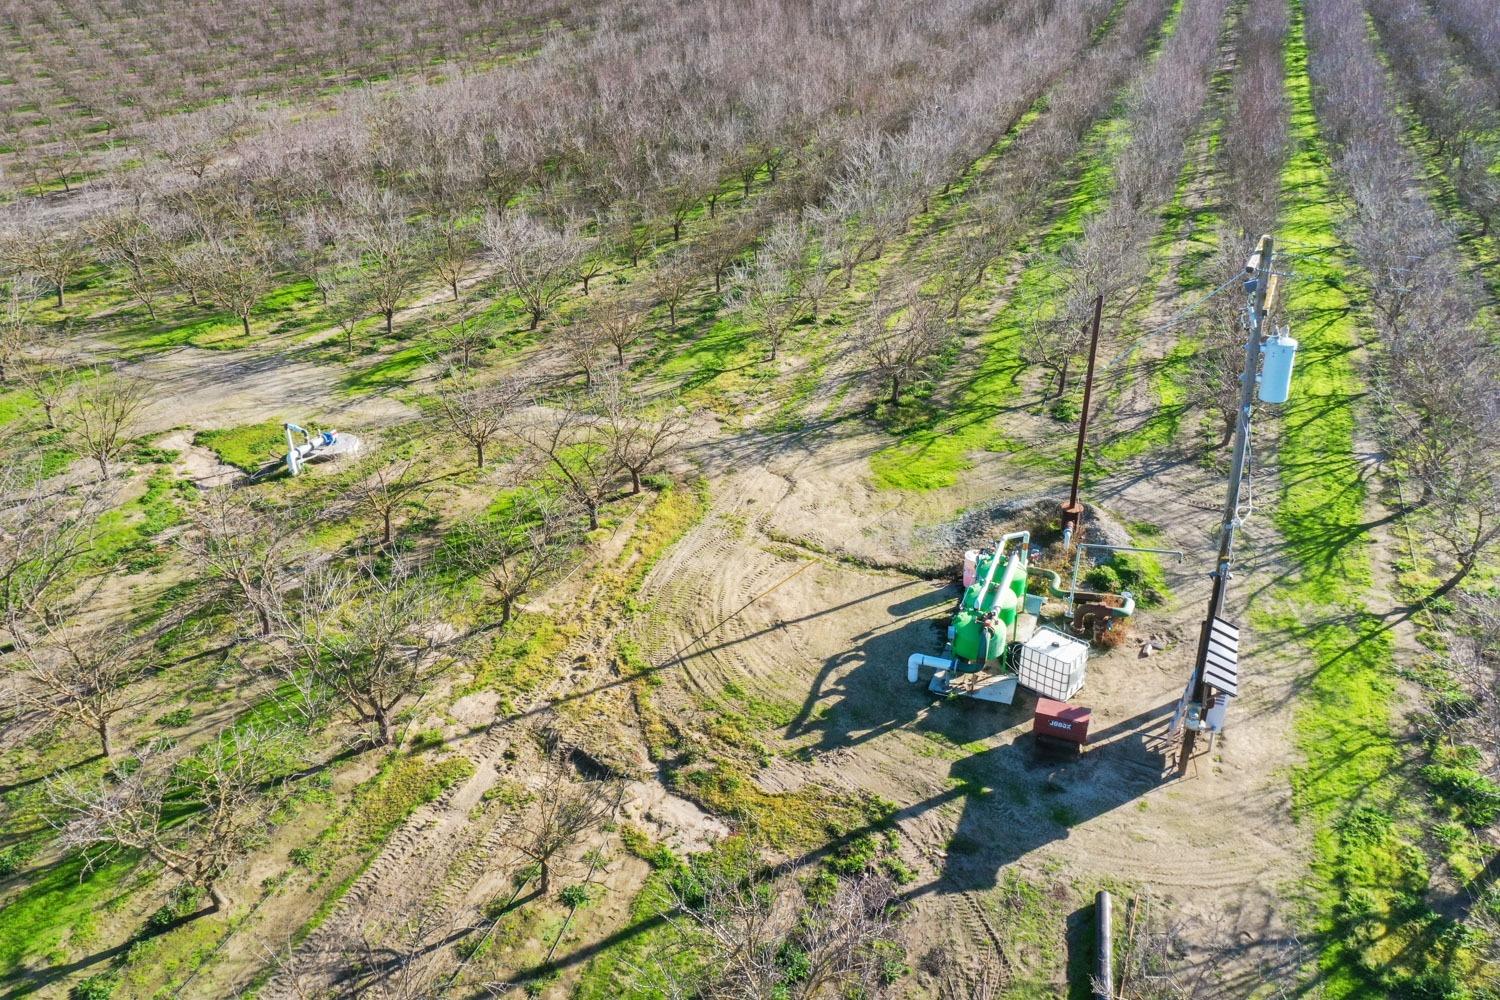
[{"x": 1012, "y": 799}]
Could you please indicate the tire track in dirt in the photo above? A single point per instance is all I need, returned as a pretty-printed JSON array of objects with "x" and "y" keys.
[{"x": 439, "y": 836}]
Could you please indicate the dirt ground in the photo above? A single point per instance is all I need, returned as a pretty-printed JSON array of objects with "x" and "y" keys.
[{"x": 207, "y": 390}]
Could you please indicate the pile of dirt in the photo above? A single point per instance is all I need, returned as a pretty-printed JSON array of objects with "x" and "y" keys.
[{"x": 982, "y": 526}]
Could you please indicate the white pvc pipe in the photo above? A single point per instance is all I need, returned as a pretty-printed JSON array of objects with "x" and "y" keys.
[{"x": 917, "y": 660}]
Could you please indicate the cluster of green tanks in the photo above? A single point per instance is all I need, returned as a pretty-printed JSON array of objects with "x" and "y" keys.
[{"x": 985, "y": 623}]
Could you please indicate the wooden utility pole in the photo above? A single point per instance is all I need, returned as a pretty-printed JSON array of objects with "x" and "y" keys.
[{"x": 1072, "y": 511}]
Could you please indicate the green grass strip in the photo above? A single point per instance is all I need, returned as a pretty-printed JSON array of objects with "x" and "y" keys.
[{"x": 1378, "y": 934}]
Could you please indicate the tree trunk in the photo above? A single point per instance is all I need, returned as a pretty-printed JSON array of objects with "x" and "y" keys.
[
  {"x": 507, "y": 608},
  {"x": 676, "y": 230},
  {"x": 216, "y": 897},
  {"x": 103, "y": 461},
  {"x": 245, "y": 323},
  {"x": 672, "y": 315},
  {"x": 635, "y": 481},
  {"x": 59, "y": 295},
  {"x": 713, "y": 205},
  {"x": 895, "y": 389},
  {"x": 454, "y": 285},
  {"x": 536, "y": 317},
  {"x": 387, "y": 731},
  {"x": 1062, "y": 378},
  {"x": 718, "y": 280},
  {"x": 385, "y": 538},
  {"x": 1461, "y": 574},
  {"x": 593, "y": 509},
  {"x": 586, "y": 278},
  {"x": 106, "y": 740},
  {"x": 390, "y": 315}
]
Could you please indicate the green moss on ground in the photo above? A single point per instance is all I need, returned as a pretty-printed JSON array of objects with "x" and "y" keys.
[
  {"x": 1379, "y": 934},
  {"x": 56, "y": 912},
  {"x": 247, "y": 447}
]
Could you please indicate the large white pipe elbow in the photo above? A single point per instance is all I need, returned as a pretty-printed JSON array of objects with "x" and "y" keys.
[{"x": 916, "y": 661}]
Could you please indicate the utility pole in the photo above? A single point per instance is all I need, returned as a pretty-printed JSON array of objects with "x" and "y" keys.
[
  {"x": 1260, "y": 287},
  {"x": 1072, "y": 511}
]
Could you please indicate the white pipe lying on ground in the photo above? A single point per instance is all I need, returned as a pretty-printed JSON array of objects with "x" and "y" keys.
[{"x": 918, "y": 660}]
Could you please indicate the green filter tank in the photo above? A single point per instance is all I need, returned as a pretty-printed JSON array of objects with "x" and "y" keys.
[{"x": 986, "y": 617}]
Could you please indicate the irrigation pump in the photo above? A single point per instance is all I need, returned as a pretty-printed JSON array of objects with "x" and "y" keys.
[
  {"x": 313, "y": 447},
  {"x": 992, "y": 615}
]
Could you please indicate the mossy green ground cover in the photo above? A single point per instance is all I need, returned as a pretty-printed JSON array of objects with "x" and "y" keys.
[
  {"x": 1379, "y": 936},
  {"x": 58, "y": 905},
  {"x": 247, "y": 447}
]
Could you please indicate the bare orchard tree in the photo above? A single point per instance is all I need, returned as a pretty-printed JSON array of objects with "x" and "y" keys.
[
  {"x": 349, "y": 299},
  {"x": 102, "y": 414},
  {"x": 394, "y": 958},
  {"x": 18, "y": 323},
  {"x": 639, "y": 436},
  {"x": 572, "y": 449},
  {"x": 476, "y": 413},
  {"x": 739, "y": 927},
  {"x": 902, "y": 334},
  {"x": 453, "y": 246},
  {"x": 1464, "y": 492},
  {"x": 1212, "y": 376},
  {"x": 85, "y": 674},
  {"x": 235, "y": 271},
  {"x": 382, "y": 490},
  {"x": 763, "y": 291},
  {"x": 582, "y": 344},
  {"x": 1471, "y": 657},
  {"x": 567, "y": 808},
  {"x": 194, "y": 814},
  {"x": 40, "y": 247},
  {"x": 675, "y": 276},
  {"x": 536, "y": 261},
  {"x": 389, "y": 247},
  {"x": 130, "y": 241},
  {"x": 462, "y": 340},
  {"x": 47, "y": 373},
  {"x": 44, "y": 533},
  {"x": 619, "y": 325},
  {"x": 510, "y": 552},
  {"x": 371, "y": 640},
  {"x": 595, "y": 259},
  {"x": 236, "y": 547}
]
